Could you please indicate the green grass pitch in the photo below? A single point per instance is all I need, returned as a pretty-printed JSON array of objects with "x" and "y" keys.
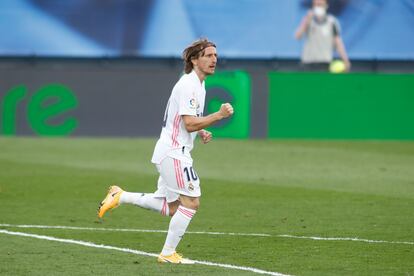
[{"x": 346, "y": 189}]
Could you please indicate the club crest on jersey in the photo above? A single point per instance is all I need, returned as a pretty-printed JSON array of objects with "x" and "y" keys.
[
  {"x": 193, "y": 104},
  {"x": 191, "y": 187}
]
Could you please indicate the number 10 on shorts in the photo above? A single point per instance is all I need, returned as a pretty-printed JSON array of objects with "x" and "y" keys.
[{"x": 190, "y": 173}]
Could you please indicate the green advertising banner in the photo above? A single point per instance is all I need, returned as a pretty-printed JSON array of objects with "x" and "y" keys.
[
  {"x": 49, "y": 102},
  {"x": 70, "y": 107},
  {"x": 232, "y": 87},
  {"x": 344, "y": 106}
]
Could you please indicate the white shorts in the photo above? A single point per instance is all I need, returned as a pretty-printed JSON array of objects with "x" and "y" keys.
[{"x": 177, "y": 178}]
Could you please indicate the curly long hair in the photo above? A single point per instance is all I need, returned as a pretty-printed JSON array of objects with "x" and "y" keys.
[{"x": 194, "y": 51}]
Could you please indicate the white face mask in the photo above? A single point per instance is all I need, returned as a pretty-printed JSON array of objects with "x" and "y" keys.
[{"x": 319, "y": 11}]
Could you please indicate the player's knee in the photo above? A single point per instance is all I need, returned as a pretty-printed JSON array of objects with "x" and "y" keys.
[
  {"x": 194, "y": 205},
  {"x": 190, "y": 202}
]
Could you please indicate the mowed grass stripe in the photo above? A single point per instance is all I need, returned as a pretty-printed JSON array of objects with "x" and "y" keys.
[
  {"x": 301, "y": 188},
  {"x": 136, "y": 252},
  {"x": 355, "y": 166},
  {"x": 204, "y": 233}
]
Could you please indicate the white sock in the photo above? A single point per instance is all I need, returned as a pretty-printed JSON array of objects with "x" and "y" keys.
[
  {"x": 147, "y": 201},
  {"x": 178, "y": 225}
]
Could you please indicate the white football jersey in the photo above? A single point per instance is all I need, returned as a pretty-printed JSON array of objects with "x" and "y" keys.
[{"x": 187, "y": 98}]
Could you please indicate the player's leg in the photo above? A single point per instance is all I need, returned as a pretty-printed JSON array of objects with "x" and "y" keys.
[
  {"x": 148, "y": 201},
  {"x": 161, "y": 201},
  {"x": 186, "y": 183},
  {"x": 190, "y": 202},
  {"x": 179, "y": 223},
  {"x": 152, "y": 201},
  {"x": 111, "y": 200},
  {"x": 173, "y": 206}
]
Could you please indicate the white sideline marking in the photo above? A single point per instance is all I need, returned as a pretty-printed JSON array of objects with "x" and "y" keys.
[
  {"x": 203, "y": 233},
  {"x": 137, "y": 252},
  {"x": 345, "y": 239},
  {"x": 125, "y": 230}
]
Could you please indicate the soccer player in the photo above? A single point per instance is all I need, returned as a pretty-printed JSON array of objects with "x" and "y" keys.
[{"x": 178, "y": 190}]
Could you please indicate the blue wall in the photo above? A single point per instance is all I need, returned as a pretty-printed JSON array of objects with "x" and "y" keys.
[{"x": 372, "y": 29}]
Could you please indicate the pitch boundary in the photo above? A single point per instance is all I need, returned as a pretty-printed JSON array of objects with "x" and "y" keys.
[
  {"x": 355, "y": 239},
  {"x": 136, "y": 252}
]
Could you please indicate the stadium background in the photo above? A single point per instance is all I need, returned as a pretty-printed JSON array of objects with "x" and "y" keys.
[
  {"x": 101, "y": 67},
  {"x": 333, "y": 194}
]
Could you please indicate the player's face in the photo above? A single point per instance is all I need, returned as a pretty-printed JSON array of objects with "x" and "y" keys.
[{"x": 206, "y": 64}]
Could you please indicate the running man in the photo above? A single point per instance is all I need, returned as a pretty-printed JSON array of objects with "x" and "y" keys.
[{"x": 178, "y": 190}]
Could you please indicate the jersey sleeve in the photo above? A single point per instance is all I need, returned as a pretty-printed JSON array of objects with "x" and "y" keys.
[{"x": 187, "y": 104}]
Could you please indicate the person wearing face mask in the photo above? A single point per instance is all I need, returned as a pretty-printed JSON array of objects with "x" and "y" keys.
[{"x": 322, "y": 33}]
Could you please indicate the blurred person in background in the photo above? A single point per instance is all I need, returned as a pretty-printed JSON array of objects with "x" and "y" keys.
[
  {"x": 178, "y": 189},
  {"x": 323, "y": 35}
]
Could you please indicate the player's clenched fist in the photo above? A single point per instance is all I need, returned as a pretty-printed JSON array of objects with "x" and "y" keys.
[
  {"x": 226, "y": 110},
  {"x": 205, "y": 136}
]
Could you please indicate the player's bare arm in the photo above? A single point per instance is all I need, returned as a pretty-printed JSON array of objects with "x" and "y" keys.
[{"x": 193, "y": 123}]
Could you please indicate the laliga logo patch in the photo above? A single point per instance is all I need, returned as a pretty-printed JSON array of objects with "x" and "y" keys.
[{"x": 193, "y": 104}]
